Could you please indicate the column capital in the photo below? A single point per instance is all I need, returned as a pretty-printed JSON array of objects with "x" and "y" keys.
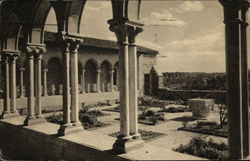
[
  {"x": 45, "y": 70},
  {"x": 10, "y": 55},
  {"x": 36, "y": 49},
  {"x": 111, "y": 71},
  {"x": 125, "y": 30},
  {"x": 72, "y": 41},
  {"x": 98, "y": 70},
  {"x": 22, "y": 69}
]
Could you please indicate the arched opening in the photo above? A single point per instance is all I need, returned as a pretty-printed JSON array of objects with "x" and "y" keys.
[
  {"x": 55, "y": 76},
  {"x": 105, "y": 76},
  {"x": 116, "y": 76},
  {"x": 90, "y": 76}
]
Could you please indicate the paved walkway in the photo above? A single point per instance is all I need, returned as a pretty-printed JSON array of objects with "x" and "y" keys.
[{"x": 173, "y": 137}]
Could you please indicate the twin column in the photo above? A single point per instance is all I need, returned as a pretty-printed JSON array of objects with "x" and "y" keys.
[
  {"x": 126, "y": 34},
  {"x": 9, "y": 58},
  {"x": 34, "y": 54},
  {"x": 235, "y": 13},
  {"x": 70, "y": 85}
]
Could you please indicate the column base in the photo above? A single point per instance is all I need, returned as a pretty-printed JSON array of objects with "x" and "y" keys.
[
  {"x": 33, "y": 120},
  {"x": 67, "y": 129},
  {"x": 6, "y": 115},
  {"x": 122, "y": 145}
]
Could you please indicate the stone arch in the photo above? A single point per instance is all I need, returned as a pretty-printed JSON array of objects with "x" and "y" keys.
[
  {"x": 55, "y": 76},
  {"x": 38, "y": 17},
  {"x": 10, "y": 32},
  {"x": 116, "y": 74},
  {"x": 105, "y": 76},
  {"x": 91, "y": 68}
]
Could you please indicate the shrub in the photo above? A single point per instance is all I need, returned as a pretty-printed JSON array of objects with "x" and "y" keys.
[
  {"x": 58, "y": 119},
  {"x": 206, "y": 149},
  {"x": 89, "y": 121},
  {"x": 96, "y": 113},
  {"x": 149, "y": 113},
  {"x": 223, "y": 114},
  {"x": 206, "y": 123},
  {"x": 153, "y": 119}
]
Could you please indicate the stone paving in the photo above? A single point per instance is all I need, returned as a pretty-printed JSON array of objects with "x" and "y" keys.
[{"x": 173, "y": 137}]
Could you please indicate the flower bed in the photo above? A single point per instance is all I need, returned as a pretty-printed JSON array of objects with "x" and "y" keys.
[
  {"x": 175, "y": 109},
  {"x": 88, "y": 121},
  {"x": 206, "y": 128},
  {"x": 145, "y": 135},
  {"x": 205, "y": 149}
]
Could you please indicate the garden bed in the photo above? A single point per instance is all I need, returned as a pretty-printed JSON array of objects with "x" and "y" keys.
[
  {"x": 214, "y": 130},
  {"x": 206, "y": 149},
  {"x": 88, "y": 121},
  {"x": 145, "y": 135},
  {"x": 174, "y": 109}
]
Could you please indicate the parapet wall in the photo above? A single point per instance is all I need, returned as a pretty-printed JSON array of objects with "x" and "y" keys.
[
  {"x": 26, "y": 143},
  {"x": 164, "y": 93}
]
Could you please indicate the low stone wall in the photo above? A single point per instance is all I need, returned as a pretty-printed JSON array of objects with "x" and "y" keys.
[
  {"x": 184, "y": 95},
  {"x": 55, "y": 102},
  {"x": 22, "y": 143}
]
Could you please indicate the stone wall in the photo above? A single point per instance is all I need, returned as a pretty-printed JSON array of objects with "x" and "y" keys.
[
  {"x": 55, "y": 102},
  {"x": 24, "y": 143},
  {"x": 218, "y": 96}
]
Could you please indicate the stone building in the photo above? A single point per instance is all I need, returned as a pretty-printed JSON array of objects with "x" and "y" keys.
[{"x": 98, "y": 72}]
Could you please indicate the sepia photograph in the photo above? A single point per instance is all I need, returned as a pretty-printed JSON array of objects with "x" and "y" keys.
[{"x": 123, "y": 80}]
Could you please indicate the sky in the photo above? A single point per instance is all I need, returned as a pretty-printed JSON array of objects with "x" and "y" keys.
[{"x": 188, "y": 34}]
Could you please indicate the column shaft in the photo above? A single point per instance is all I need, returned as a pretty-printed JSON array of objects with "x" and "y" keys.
[
  {"x": 66, "y": 85},
  {"x": 74, "y": 86},
  {"x": 7, "y": 86},
  {"x": 133, "y": 107},
  {"x": 98, "y": 81},
  {"x": 124, "y": 89},
  {"x": 245, "y": 96},
  {"x": 13, "y": 85},
  {"x": 83, "y": 81},
  {"x": 112, "y": 81},
  {"x": 38, "y": 85},
  {"x": 45, "y": 92},
  {"x": 31, "y": 108},
  {"x": 21, "y": 82}
]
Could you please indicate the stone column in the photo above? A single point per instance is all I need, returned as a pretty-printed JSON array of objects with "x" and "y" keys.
[
  {"x": 70, "y": 100},
  {"x": 21, "y": 82},
  {"x": 83, "y": 81},
  {"x": 31, "y": 106},
  {"x": 133, "y": 82},
  {"x": 38, "y": 87},
  {"x": 244, "y": 79},
  {"x": 6, "y": 111},
  {"x": 45, "y": 88},
  {"x": 112, "y": 80},
  {"x": 13, "y": 82},
  {"x": 128, "y": 138},
  {"x": 98, "y": 81},
  {"x": 34, "y": 51},
  {"x": 236, "y": 78},
  {"x": 74, "y": 82}
]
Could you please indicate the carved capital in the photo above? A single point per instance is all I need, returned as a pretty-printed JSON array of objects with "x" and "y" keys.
[
  {"x": 45, "y": 70},
  {"x": 10, "y": 55},
  {"x": 125, "y": 31},
  {"x": 22, "y": 69},
  {"x": 71, "y": 42},
  {"x": 35, "y": 49}
]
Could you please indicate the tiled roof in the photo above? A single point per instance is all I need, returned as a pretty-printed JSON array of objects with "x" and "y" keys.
[{"x": 94, "y": 42}]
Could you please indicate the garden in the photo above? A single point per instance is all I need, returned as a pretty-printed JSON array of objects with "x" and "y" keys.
[
  {"x": 178, "y": 122},
  {"x": 87, "y": 117}
]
